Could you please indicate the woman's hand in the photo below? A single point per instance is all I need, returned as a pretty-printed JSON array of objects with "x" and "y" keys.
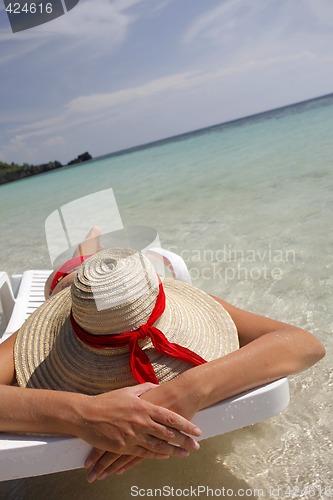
[
  {"x": 122, "y": 423},
  {"x": 180, "y": 395},
  {"x": 104, "y": 463}
]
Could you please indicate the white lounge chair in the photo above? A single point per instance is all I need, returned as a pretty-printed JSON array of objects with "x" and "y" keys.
[{"x": 24, "y": 456}]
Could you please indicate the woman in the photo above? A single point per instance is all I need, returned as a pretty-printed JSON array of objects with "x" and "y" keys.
[
  {"x": 64, "y": 275},
  {"x": 118, "y": 320}
]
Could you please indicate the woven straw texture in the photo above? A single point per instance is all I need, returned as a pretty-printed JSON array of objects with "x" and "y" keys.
[{"x": 113, "y": 292}]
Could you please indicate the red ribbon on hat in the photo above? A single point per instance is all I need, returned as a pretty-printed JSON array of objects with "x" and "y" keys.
[
  {"x": 67, "y": 268},
  {"x": 140, "y": 364}
]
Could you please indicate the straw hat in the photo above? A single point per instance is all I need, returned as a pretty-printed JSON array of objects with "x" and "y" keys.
[{"x": 118, "y": 291}]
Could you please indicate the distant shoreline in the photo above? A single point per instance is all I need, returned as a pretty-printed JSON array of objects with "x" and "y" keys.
[{"x": 14, "y": 172}]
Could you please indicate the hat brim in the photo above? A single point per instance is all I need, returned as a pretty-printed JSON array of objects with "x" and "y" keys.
[{"x": 49, "y": 355}]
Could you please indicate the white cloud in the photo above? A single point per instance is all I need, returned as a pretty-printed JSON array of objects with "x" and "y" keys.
[
  {"x": 103, "y": 24},
  {"x": 260, "y": 23},
  {"x": 97, "y": 102},
  {"x": 20, "y": 147},
  {"x": 21, "y": 44},
  {"x": 86, "y": 21},
  {"x": 56, "y": 140},
  {"x": 214, "y": 23},
  {"x": 238, "y": 40},
  {"x": 99, "y": 107},
  {"x": 6, "y": 57}
]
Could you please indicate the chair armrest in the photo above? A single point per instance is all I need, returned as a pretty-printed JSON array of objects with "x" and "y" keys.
[
  {"x": 23, "y": 456},
  {"x": 173, "y": 261},
  {"x": 244, "y": 409}
]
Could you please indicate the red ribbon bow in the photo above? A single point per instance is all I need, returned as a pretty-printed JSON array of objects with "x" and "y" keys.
[{"x": 140, "y": 364}]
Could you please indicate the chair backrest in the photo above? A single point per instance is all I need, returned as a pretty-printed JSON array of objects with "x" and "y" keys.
[{"x": 30, "y": 295}]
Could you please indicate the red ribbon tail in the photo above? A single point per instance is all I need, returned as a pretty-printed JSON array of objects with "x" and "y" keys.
[
  {"x": 162, "y": 344},
  {"x": 141, "y": 366}
]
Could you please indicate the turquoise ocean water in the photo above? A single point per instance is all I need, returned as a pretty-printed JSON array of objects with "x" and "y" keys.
[{"x": 249, "y": 206}]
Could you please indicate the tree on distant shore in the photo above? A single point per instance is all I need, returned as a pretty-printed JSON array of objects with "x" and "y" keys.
[{"x": 13, "y": 171}]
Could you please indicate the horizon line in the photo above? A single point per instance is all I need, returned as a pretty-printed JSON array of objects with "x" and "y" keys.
[{"x": 182, "y": 135}]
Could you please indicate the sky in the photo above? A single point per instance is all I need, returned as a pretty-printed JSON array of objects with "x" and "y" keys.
[{"x": 112, "y": 74}]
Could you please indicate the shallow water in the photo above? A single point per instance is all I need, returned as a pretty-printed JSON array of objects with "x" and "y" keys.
[{"x": 249, "y": 206}]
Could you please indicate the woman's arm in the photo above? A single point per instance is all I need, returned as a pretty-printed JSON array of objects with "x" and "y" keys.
[
  {"x": 118, "y": 421},
  {"x": 269, "y": 350}
]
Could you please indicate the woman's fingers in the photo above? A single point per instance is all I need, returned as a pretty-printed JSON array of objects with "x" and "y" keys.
[
  {"x": 105, "y": 460},
  {"x": 104, "y": 468},
  {"x": 123, "y": 423},
  {"x": 165, "y": 416},
  {"x": 131, "y": 463},
  {"x": 106, "y": 463},
  {"x": 168, "y": 442},
  {"x": 94, "y": 456}
]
